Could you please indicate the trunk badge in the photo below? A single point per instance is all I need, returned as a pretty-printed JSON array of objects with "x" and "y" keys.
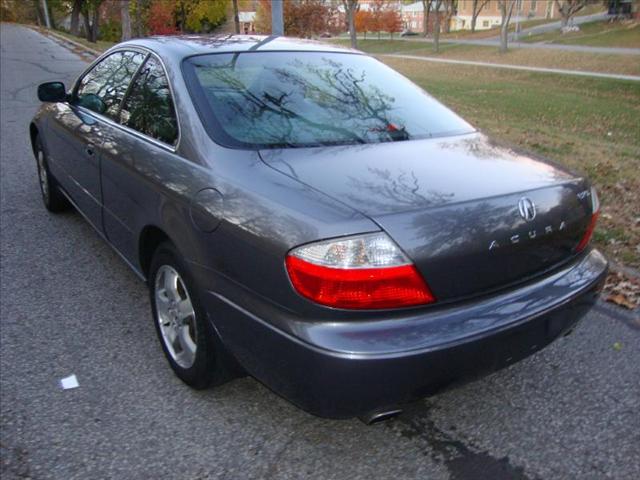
[{"x": 527, "y": 209}]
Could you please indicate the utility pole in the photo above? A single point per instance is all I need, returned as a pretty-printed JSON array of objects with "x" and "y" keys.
[
  {"x": 45, "y": 10},
  {"x": 277, "y": 20}
]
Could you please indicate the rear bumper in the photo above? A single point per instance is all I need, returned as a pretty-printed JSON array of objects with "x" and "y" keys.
[{"x": 343, "y": 369}]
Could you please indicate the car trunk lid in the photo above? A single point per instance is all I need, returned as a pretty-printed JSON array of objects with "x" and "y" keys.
[{"x": 454, "y": 205}]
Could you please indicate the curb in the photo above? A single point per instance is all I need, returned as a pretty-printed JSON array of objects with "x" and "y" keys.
[{"x": 63, "y": 39}]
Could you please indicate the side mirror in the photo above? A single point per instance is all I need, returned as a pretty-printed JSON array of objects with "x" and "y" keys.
[
  {"x": 92, "y": 102},
  {"x": 52, "y": 92}
]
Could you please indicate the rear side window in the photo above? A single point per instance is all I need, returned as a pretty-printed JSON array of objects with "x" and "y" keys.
[
  {"x": 104, "y": 86},
  {"x": 148, "y": 107}
]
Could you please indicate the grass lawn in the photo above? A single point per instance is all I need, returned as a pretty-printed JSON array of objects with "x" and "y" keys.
[
  {"x": 596, "y": 34},
  {"x": 590, "y": 125},
  {"x": 539, "y": 57}
]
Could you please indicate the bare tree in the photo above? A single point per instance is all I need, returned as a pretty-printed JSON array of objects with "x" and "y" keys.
[
  {"x": 126, "y": 20},
  {"x": 436, "y": 27},
  {"x": 568, "y": 8},
  {"x": 477, "y": 7},
  {"x": 350, "y": 8},
  {"x": 236, "y": 16},
  {"x": 91, "y": 15},
  {"x": 75, "y": 17},
  {"x": 426, "y": 10},
  {"x": 449, "y": 11},
  {"x": 506, "y": 9}
]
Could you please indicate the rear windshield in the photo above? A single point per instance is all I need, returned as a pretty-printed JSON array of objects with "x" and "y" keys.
[{"x": 303, "y": 99}]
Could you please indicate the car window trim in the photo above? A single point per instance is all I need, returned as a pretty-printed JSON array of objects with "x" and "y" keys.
[
  {"x": 130, "y": 86},
  {"x": 104, "y": 118}
]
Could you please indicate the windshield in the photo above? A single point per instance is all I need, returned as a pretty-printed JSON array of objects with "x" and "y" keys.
[{"x": 302, "y": 99}]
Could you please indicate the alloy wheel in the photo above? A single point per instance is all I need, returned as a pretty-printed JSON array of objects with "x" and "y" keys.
[
  {"x": 43, "y": 176},
  {"x": 175, "y": 316}
]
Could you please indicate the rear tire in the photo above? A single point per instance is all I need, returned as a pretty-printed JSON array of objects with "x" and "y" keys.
[
  {"x": 188, "y": 340},
  {"x": 53, "y": 199}
]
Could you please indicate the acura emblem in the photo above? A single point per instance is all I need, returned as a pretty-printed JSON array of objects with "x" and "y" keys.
[{"x": 527, "y": 209}]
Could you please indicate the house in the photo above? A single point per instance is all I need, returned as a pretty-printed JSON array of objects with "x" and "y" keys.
[
  {"x": 247, "y": 22},
  {"x": 490, "y": 16},
  {"x": 413, "y": 17}
]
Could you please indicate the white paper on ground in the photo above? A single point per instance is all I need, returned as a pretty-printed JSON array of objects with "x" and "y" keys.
[{"x": 69, "y": 382}]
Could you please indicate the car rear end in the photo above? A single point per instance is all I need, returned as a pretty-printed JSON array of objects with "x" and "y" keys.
[{"x": 475, "y": 255}]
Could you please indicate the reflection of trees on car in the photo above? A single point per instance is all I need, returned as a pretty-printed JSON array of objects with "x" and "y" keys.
[
  {"x": 103, "y": 88},
  {"x": 325, "y": 101},
  {"x": 149, "y": 108}
]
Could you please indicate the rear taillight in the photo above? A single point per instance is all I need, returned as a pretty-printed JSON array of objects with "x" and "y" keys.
[
  {"x": 595, "y": 211},
  {"x": 361, "y": 272}
]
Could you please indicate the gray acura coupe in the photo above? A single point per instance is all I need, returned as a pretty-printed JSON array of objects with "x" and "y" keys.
[{"x": 305, "y": 214}]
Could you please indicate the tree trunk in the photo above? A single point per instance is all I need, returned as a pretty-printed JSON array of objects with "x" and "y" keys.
[
  {"x": 87, "y": 25},
  {"x": 436, "y": 28},
  {"x": 448, "y": 13},
  {"x": 352, "y": 27},
  {"x": 137, "y": 20},
  {"x": 505, "y": 12},
  {"x": 94, "y": 27},
  {"x": 39, "y": 14},
  {"x": 236, "y": 16},
  {"x": 474, "y": 15},
  {"x": 126, "y": 20},
  {"x": 504, "y": 35},
  {"x": 75, "y": 17},
  {"x": 436, "y": 33},
  {"x": 564, "y": 21},
  {"x": 425, "y": 18}
]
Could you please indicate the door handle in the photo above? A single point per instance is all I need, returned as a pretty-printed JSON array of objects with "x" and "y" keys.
[{"x": 89, "y": 150}]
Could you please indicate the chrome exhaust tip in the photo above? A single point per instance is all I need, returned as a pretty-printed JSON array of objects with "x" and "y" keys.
[{"x": 379, "y": 416}]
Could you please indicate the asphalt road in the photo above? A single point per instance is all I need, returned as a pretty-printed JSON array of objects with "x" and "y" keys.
[{"x": 69, "y": 305}]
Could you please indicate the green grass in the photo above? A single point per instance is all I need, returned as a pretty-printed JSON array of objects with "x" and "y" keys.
[
  {"x": 590, "y": 125},
  {"x": 595, "y": 34}
]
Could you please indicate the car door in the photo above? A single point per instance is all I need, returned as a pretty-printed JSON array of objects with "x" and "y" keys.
[
  {"x": 144, "y": 147},
  {"x": 82, "y": 125}
]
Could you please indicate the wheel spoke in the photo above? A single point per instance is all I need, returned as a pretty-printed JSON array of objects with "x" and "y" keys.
[
  {"x": 162, "y": 302},
  {"x": 171, "y": 284},
  {"x": 185, "y": 309},
  {"x": 187, "y": 345}
]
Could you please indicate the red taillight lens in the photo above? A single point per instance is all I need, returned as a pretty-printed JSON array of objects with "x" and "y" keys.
[
  {"x": 362, "y": 288},
  {"x": 595, "y": 212},
  {"x": 586, "y": 238}
]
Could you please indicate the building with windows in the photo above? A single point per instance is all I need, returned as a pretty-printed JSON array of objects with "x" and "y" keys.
[{"x": 490, "y": 16}]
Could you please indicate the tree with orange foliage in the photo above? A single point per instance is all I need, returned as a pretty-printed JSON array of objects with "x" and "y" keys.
[
  {"x": 161, "y": 18},
  {"x": 363, "y": 22},
  {"x": 391, "y": 21},
  {"x": 377, "y": 11},
  {"x": 302, "y": 18}
]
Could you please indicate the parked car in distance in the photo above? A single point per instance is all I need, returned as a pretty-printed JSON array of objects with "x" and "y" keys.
[
  {"x": 408, "y": 33},
  {"x": 303, "y": 213}
]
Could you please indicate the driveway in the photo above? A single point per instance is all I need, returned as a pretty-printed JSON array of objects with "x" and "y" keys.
[{"x": 70, "y": 306}]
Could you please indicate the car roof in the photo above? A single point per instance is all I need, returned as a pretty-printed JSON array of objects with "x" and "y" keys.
[{"x": 176, "y": 47}]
